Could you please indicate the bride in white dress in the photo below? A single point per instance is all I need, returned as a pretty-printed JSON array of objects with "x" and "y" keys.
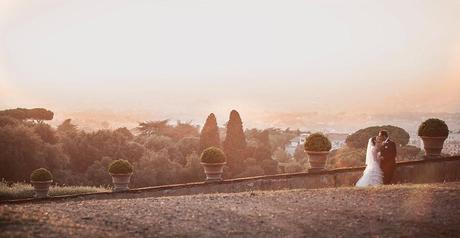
[{"x": 373, "y": 174}]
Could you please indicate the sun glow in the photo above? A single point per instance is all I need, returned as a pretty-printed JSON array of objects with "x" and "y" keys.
[{"x": 185, "y": 59}]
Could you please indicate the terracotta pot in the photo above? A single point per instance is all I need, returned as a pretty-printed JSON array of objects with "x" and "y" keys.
[
  {"x": 41, "y": 188},
  {"x": 213, "y": 171},
  {"x": 121, "y": 181},
  {"x": 317, "y": 160},
  {"x": 433, "y": 146}
]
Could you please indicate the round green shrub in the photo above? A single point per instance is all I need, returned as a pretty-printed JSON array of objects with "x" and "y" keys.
[
  {"x": 433, "y": 127},
  {"x": 41, "y": 174},
  {"x": 213, "y": 155},
  {"x": 317, "y": 142},
  {"x": 120, "y": 167}
]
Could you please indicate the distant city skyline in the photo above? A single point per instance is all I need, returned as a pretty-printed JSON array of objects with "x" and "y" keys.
[{"x": 267, "y": 59}]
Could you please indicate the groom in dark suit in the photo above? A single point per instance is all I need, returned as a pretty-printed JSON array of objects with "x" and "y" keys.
[{"x": 387, "y": 157}]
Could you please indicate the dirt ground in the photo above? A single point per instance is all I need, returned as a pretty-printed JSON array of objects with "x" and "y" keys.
[{"x": 388, "y": 211}]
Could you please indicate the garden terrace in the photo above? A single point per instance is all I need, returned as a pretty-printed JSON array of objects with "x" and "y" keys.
[
  {"x": 405, "y": 210},
  {"x": 438, "y": 170}
]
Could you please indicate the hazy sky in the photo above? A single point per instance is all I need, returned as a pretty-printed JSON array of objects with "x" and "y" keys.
[{"x": 189, "y": 58}]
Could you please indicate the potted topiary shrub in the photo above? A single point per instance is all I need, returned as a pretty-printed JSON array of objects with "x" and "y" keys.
[
  {"x": 41, "y": 180},
  {"x": 121, "y": 171},
  {"x": 213, "y": 160},
  {"x": 317, "y": 147},
  {"x": 433, "y": 133}
]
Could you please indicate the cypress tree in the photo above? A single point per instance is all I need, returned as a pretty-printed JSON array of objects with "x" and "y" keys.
[
  {"x": 209, "y": 134},
  {"x": 235, "y": 143}
]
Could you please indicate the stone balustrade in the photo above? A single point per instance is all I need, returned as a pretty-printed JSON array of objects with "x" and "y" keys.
[{"x": 421, "y": 171}]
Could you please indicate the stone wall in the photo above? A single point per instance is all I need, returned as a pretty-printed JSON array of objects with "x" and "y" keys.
[{"x": 422, "y": 171}]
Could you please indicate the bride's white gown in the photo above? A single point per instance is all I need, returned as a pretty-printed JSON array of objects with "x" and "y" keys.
[{"x": 373, "y": 174}]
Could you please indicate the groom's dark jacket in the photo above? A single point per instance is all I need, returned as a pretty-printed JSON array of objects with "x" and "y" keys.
[
  {"x": 388, "y": 151},
  {"x": 388, "y": 163}
]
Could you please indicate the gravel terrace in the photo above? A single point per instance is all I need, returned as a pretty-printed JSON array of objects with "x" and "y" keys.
[{"x": 401, "y": 210}]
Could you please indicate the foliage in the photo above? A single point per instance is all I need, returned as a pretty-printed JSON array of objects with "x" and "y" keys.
[
  {"x": 153, "y": 127},
  {"x": 213, "y": 155},
  {"x": 7, "y": 120},
  {"x": 22, "y": 150},
  {"x": 264, "y": 138},
  {"x": 250, "y": 162},
  {"x": 38, "y": 114},
  {"x": 120, "y": 167},
  {"x": 19, "y": 147},
  {"x": 46, "y": 133},
  {"x": 251, "y": 171},
  {"x": 96, "y": 174},
  {"x": 346, "y": 157},
  {"x": 250, "y": 149},
  {"x": 18, "y": 113},
  {"x": 280, "y": 138},
  {"x": 433, "y": 127},
  {"x": 25, "y": 190},
  {"x": 299, "y": 153},
  {"x": 193, "y": 171},
  {"x": 124, "y": 132},
  {"x": 235, "y": 143},
  {"x": 86, "y": 148},
  {"x": 260, "y": 137},
  {"x": 132, "y": 151},
  {"x": 175, "y": 154},
  {"x": 360, "y": 138},
  {"x": 259, "y": 158},
  {"x": 67, "y": 128},
  {"x": 163, "y": 128},
  {"x": 269, "y": 166},
  {"x": 167, "y": 155},
  {"x": 41, "y": 174},
  {"x": 317, "y": 142},
  {"x": 272, "y": 138},
  {"x": 77, "y": 157},
  {"x": 188, "y": 145},
  {"x": 158, "y": 142},
  {"x": 262, "y": 153},
  {"x": 263, "y": 157},
  {"x": 52, "y": 156},
  {"x": 252, "y": 168},
  {"x": 155, "y": 168},
  {"x": 80, "y": 151},
  {"x": 184, "y": 129},
  {"x": 281, "y": 155},
  {"x": 209, "y": 136},
  {"x": 293, "y": 167},
  {"x": 409, "y": 152}
]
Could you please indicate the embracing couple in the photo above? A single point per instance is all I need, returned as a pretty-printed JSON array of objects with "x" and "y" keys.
[{"x": 380, "y": 161}]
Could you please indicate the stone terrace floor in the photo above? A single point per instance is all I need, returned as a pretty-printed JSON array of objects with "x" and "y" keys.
[{"x": 431, "y": 210}]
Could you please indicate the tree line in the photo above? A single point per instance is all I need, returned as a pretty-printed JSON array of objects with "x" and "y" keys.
[{"x": 161, "y": 152}]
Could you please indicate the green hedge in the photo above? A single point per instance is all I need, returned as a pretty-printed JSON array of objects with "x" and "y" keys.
[
  {"x": 317, "y": 142},
  {"x": 120, "y": 167},
  {"x": 41, "y": 174},
  {"x": 213, "y": 155},
  {"x": 433, "y": 127}
]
